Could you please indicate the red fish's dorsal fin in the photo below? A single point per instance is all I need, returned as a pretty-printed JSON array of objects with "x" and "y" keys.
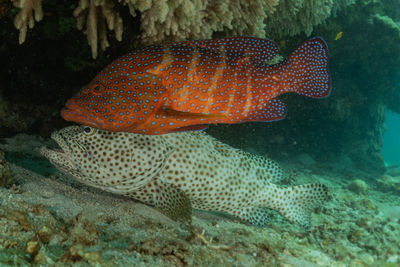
[
  {"x": 307, "y": 66},
  {"x": 257, "y": 49},
  {"x": 275, "y": 110}
]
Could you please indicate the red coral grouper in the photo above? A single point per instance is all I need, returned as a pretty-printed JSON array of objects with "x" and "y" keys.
[{"x": 187, "y": 85}]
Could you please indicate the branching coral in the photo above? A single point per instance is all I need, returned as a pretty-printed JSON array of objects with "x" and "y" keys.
[
  {"x": 176, "y": 20},
  {"x": 25, "y": 17},
  {"x": 295, "y": 16},
  {"x": 173, "y": 20},
  {"x": 94, "y": 14},
  {"x": 5, "y": 6},
  {"x": 167, "y": 20}
]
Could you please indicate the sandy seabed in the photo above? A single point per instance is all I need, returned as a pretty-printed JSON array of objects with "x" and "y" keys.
[{"x": 47, "y": 219}]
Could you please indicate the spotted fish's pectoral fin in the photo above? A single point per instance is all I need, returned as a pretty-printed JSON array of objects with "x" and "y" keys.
[
  {"x": 275, "y": 110},
  {"x": 258, "y": 49},
  {"x": 169, "y": 112},
  {"x": 198, "y": 127},
  {"x": 173, "y": 202}
]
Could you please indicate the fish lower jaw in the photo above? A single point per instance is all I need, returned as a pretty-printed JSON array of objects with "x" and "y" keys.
[{"x": 58, "y": 157}]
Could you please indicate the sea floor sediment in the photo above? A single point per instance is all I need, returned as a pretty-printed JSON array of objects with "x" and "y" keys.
[{"x": 48, "y": 219}]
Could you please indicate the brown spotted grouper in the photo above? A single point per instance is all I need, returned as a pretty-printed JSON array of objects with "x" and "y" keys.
[{"x": 178, "y": 171}]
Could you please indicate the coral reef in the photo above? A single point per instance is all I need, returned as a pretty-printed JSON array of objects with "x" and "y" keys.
[
  {"x": 364, "y": 66},
  {"x": 5, "y": 7},
  {"x": 176, "y": 20},
  {"x": 389, "y": 183},
  {"x": 350, "y": 123},
  {"x": 25, "y": 18},
  {"x": 95, "y": 14},
  {"x": 295, "y": 16},
  {"x": 6, "y": 177},
  {"x": 390, "y": 29},
  {"x": 20, "y": 116},
  {"x": 358, "y": 186},
  {"x": 52, "y": 220},
  {"x": 172, "y": 20},
  {"x": 48, "y": 219}
]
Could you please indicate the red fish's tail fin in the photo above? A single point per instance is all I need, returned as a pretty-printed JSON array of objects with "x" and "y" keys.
[{"x": 307, "y": 67}]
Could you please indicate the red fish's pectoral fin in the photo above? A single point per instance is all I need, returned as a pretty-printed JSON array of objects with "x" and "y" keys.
[
  {"x": 199, "y": 127},
  {"x": 258, "y": 49},
  {"x": 275, "y": 110},
  {"x": 169, "y": 112},
  {"x": 131, "y": 128}
]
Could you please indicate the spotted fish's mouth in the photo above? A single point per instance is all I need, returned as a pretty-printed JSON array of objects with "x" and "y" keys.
[{"x": 59, "y": 156}]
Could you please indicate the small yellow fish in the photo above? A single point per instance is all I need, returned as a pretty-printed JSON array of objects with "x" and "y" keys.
[
  {"x": 282, "y": 43},
  {"x": 338, "y": 36}
]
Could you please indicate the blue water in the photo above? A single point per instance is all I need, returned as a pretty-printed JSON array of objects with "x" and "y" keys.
[{"x": 391, "y": 139}]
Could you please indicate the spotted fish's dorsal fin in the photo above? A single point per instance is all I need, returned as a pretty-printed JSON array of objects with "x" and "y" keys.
[
  {"x": 173, "y": 202},
  {"x": 271, "y": 172},
  {"x": 257, "y": 49},
  {"x": 223, "y": 149},
  {"x": 275, "y": 110}
]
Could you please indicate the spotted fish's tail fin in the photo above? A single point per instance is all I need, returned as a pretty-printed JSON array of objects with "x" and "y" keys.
[
  {"x": 297, "y": 202},
  {"x": 308, "y": 67}
]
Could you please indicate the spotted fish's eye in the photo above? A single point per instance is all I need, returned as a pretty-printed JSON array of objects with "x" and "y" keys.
[{"x": 89, "y": 130}]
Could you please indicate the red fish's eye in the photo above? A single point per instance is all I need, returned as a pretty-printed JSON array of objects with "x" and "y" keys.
[{"x": 97, "y": 88}]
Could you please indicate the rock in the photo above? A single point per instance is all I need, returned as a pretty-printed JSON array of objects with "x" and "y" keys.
[
  {"x": 305, "y": 159},
  {"x": 76, "y": 252},
  {"x": 93, "y": 258},
  {"x": 343, "y": 162},
  {"x": 358, "y": 186},
  {"x": 393, "y": 170},
  {"x": 42, "y": 259},
  {"x": 32, "y": 247},
  {"x": 45, "y": 234},
  {"x": 388, "y": 183},
  {"x": 6, "y": 178}
]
